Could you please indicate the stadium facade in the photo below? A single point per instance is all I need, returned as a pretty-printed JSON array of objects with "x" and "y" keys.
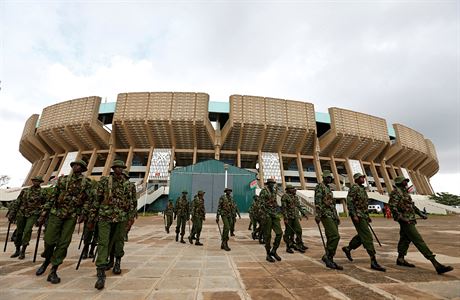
[{"x": 158, "y": 132}]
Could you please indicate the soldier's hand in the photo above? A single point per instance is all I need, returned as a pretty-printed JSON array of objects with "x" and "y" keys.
[
  {"x": 11, "y": 218},
  {"x": 217, "y": 220},
  {"x": 338, "y": 221},
  {"x": 317, "y": 219},
  {"x": 370, "y": 220},
  {"x": 423, "y": 216},
  {"x": 355, "y": 219}
]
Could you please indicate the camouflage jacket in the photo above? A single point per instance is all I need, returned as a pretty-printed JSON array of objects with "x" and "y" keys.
[
  {"x": 114, "y": 201},
  {"x": 357, "y": 201},
  {"x": 182, "y": 208},
  {"x": 268, "y": 203},
  {"x": 72, "y": 196},
  {"x": 401, "y": 205},
  {"x": 235, "y": 209},
  {"x": 198, "y": 211},
  {"x": 133, "y": 197},
  {"x": 324, "y": 202},
  {"x": 29, "y": 202},
  {"x": 169, "y": 210},
  {"x": 290, "y": 205},
  {"x": 254, "y": 209},
  {"x": 225, "y": 207}
]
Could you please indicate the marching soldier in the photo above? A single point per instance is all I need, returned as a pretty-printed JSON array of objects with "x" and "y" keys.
[
  {"x": 71, "y": 200},
  {"x": 291, "y": 209},
  {"x": 114, "y": 211},
  {"x": 168, "y": 213},
  {"x": 225, "y": 211},
  {"x": 404, "y": 212},
  {"x": 357, "y": 202},
  {"x": 326, "y": 213},
  {"x": 182, "y": 213},
  {"x": 235, "y": 212},
  {"x": 272, "y": 213},
  {"x": 198, "y": 216},
  {"x": 89, "y": 234},
  {"x": 253, "y": 210},
  {"x": 25, "y": 211}
]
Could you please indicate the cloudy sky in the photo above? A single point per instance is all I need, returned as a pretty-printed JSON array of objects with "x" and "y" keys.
[{"x": 394, "y": 59}]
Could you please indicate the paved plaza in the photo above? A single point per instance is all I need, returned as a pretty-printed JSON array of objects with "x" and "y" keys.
[{"x": 157, "y": 267}]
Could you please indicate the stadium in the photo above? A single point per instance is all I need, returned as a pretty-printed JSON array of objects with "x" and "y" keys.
[{"x": 177, "y": 140}]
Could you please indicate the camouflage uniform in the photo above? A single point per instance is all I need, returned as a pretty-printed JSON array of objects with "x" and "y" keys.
[
  {"x": 272, "y": 214},
  {"x": 326, "y": 212},
  {"x": 404, "y": 212},
  {"x": 291, "y": 209},
  {"x": 182, "y": 213},
  {"x": 235, "y": 212},
  {"x": 225, "y": 211},
  {"x": 25, "y": 211},
  {"x": 357, "y": 203},
  {"x": 198, "y": 216},
  {"x": 89, "y": 233},
  {"x": 253, "y": 216},
  {"x": 168, "y": 214},
  {"x": 72, "y": 197}
]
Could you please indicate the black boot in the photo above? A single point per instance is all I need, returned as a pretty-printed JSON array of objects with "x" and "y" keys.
[
  {"x": 167, "y": 229},
  {"x": 23, "y": 252},
  {"x": 329, "y": 263},
  {"x": 232, "y": 233},
  {"x": 197, "y": 243},
  {"x": 269, "y": 257},
  {"x": 303, "y": 246},
  {"x": 116, "y": 267},
  {"x": 43, "y": 267},
  {"x": 289, "y": 249},
  {"x": 110, "y": 264},
  {"x": 17, "y": 252},
  {"x": 190, "y": 239},
  {"x": 402, "y": 262},
  {"x": 336, "y": 266},
  {"x": 53, "y": 277},
  {"x": 440, "y": 268},
  {"x": 182, "y": 239},
  {"x": 347, "y": 251},
  {"x": 274, "y": 254},
  {"x": 100, "y": 279},
  {"x": 298, "y": 248},
  {"x": 375, "y": 265},
  {"x": 177, "y": 236},
  {"x": 226, "y": 247},
  {"x": 84, "y": 254}
]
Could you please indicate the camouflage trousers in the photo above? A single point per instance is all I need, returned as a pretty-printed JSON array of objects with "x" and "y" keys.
[
  {"x": 408, "y": 233},
  {"x": 57, "y": 238},
  {"x": 111, "y": 240},
  {"x": 169, "y": 220},
  {"x": 227, "y": 220},
  {"x": 292, "y": 228},
  {"x": 364, "y": 237},
  {"x": 272, "y": 223},
  {"x": 196, "y": 228},
  {"x": 232, "y": 225},
  {"x": 24, "y": 226},
  {"x": 331, "y": 229},
  {"x": 180, "y": 227}
]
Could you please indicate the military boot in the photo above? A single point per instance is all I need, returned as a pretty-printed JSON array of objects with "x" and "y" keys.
[
  {"x": 182, "y": 239},
  {"x": 226, "y": 247},
  {"x": 347, "y": 252},
  {"x": 375, "y": 265},
  {"x": 298, "y": 248},
  {"x": 197, "y": 243},
  {"x": 100, "y": 279},
  {"x": 336, "y": 266},
  {"x": 440, "y": 268},
  {"x": 177, "y": 236},
  {"x": 274, "y": 254},
  {"x": 110, "y": 264},
  {"x": 329, "y": 263},
  {"x": 269, "y": 257},
  {"x": 303, "y": 246},
  {"x": 43, "y": 267},
  {"x": 116, "y": 267},
  {"x": 232, "y": 233},
  {"x": 402, "y": 262},
  {"x": 53, "y": 277},
  {"x": 84, "y": 254},
  {"x": 23, "y": 252},
  {"x": 17, "y": 252},
  {"x": 289, "y": 249},
  {"x": 190, "y": 239}
]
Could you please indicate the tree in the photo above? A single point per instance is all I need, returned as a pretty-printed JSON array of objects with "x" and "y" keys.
[
  {"x": 4, "y": 179},
  {"x": 446, "y": 199}
]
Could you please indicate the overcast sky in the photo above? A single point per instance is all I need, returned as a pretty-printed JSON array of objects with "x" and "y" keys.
[{"x": 398, "y": 60}]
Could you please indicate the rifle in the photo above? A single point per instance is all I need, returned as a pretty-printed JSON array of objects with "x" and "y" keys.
[
  {"x": 220, "y": 231},
  {"x": 38, "y": 241},
  {"x": 81, "y": 239},
  {"x": 376, "y": 238},
  {"x": 7, "y": 235},
  {"x": 322, "y": 238},
  {"x": 78, "y": 231}
]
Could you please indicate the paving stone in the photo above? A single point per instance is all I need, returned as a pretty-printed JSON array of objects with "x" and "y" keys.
[
  {"x": 218, "y": 282},
  {"x": 178, "y": 283},
  {"x": 263, "y": 294},
  {"x": 221, "y": 296},
  {"x": 406, "y": 292}
]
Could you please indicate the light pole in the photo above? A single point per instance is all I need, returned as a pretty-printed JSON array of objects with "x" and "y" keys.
[{"x": 225, "y": 168}]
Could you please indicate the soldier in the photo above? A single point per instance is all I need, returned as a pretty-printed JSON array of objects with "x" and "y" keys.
[
  {"x": 71, "y": 200},
  {"x": 272, "y": 213},
  {"x": 168, "y": 213},
  {"x": 89, "y": 233},
  {"x": 404, "y": 210},
  {"x": 198, "y": 216},
  {"x": 291, "y": 209},
  {"x": 235, "y": 212},
  {"x": 225, "y": 210},
  {"x": 253, "y": 216},
  {"x": 132, "y": 194},
  {"x": 357, "y": 202},
  {"x": 326, "y": 213},
  {"x": 25, "y": 211},
  {"x": 182, "y": 213}
]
